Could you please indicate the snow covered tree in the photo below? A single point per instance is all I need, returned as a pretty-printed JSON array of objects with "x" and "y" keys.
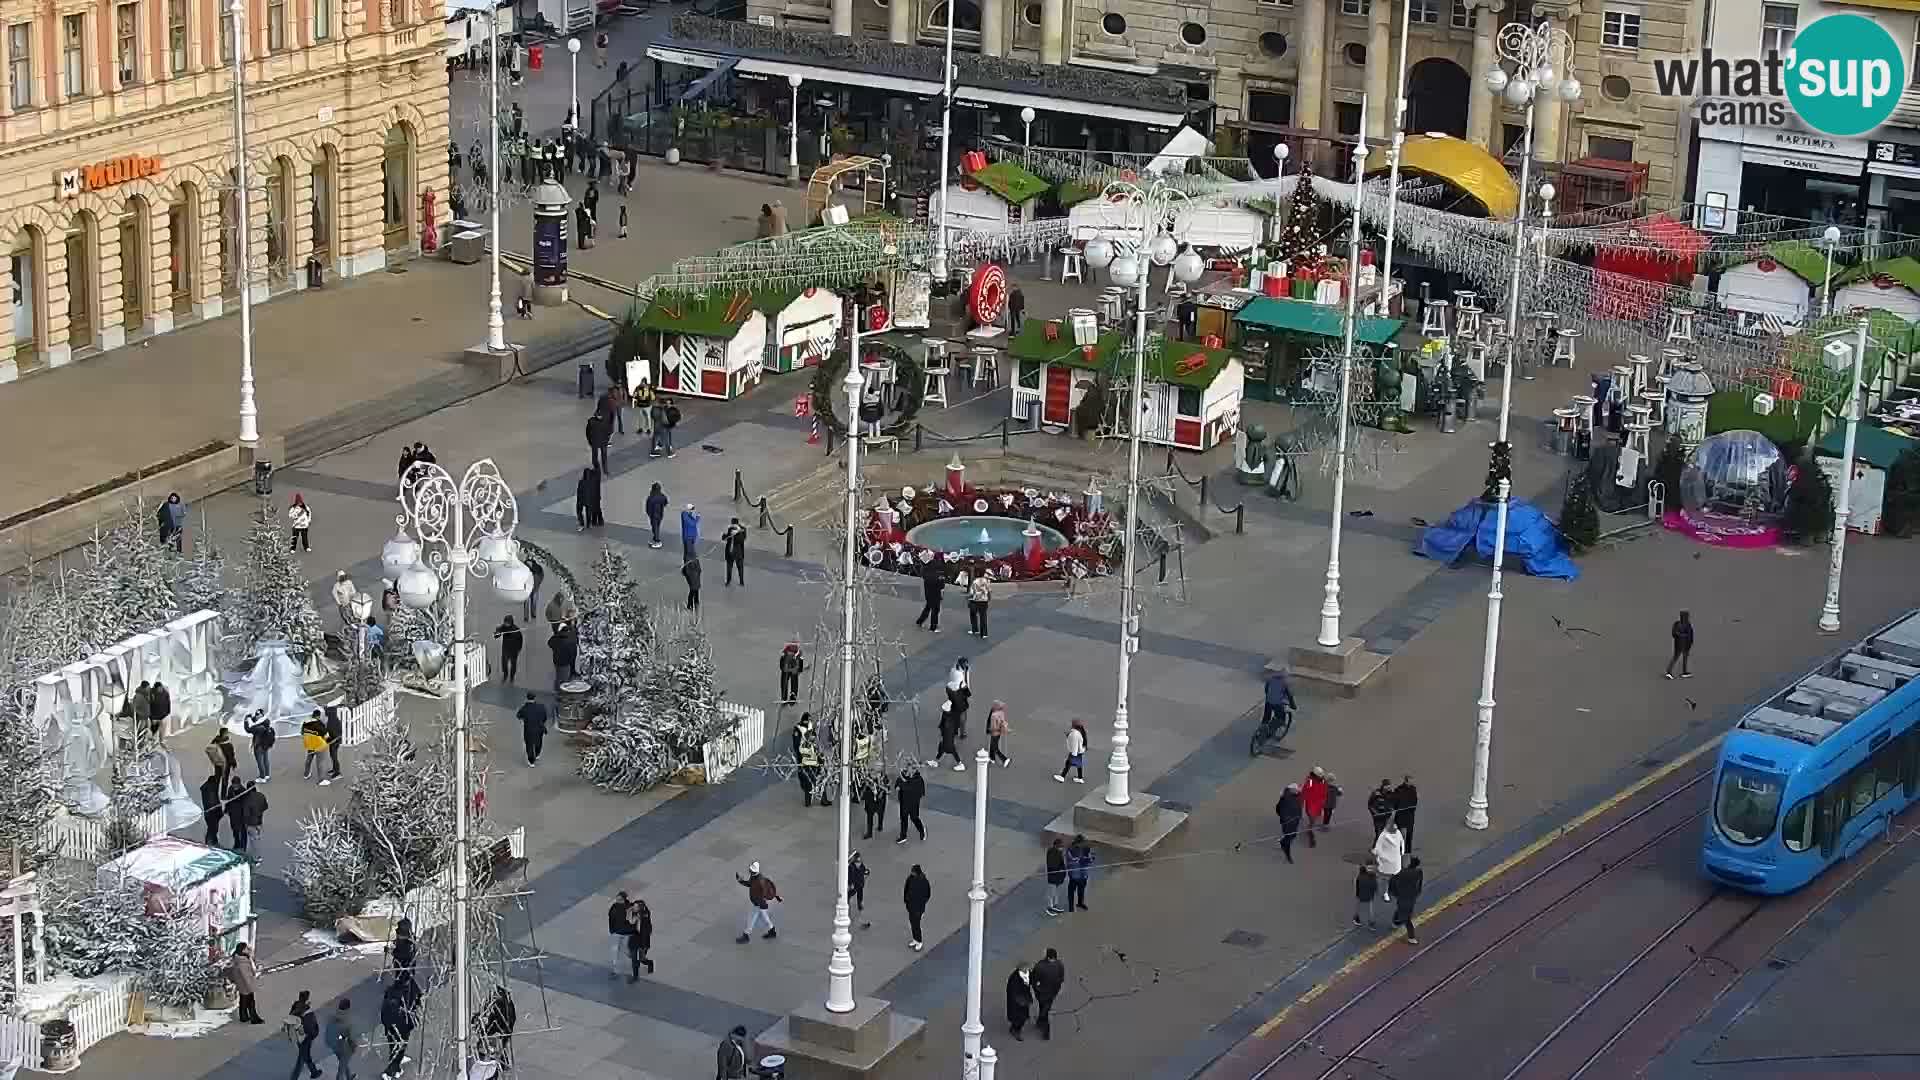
[
  {"x": 272, "y": 603},
  {"x": 91, "y": 926},
  {"x": 616, "y": 631},
  {"x": 328, "y": 868},
  {"x": 202, "y": 585},
  {"x": 630, "y": 755},
  {"x": 1579, "y": 517},
  {"x": 1300, "y": 238},
  {"x": 96, "y": 619},
  {"x": 406, "y": 626},
  {"x": 690, "y": 701},
  {"x": 175, "y": 964},
  {"x": 33, "y": 641},
  {"x": 143, "y": 574},
  {"x": 406, "y": 837}
]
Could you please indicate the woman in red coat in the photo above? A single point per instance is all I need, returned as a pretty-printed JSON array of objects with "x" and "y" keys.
[{"x": 1313, "y": 799}]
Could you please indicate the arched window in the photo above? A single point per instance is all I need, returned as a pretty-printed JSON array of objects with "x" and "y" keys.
[{"x": 966, "y": 24}]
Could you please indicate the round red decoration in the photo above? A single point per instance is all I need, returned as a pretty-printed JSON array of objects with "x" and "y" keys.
[
  {"x": 1882, "y": 281},
  {"x": 987, "y": 297},
  {"x": 878, "y": 318},
  {"x": 1768, "y": 266}
]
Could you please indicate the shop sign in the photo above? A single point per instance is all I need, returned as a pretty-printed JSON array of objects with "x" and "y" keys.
[
  {"x": 106, "y": 174},
  {"x": 1805, "y": 142},
  {"x": 1888, "y": 153}
]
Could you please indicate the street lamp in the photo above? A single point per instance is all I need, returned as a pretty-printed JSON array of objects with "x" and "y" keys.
[
  {"x": 1832, "y": 237},
  {"x": 1843, "y": 507},
  {"x": 1026, "y": 119},
  {"x": 1538, "y": 54},
  {"x": 1393, "y": 171},
  {"x": 1153, "y": 207},
  {"x": 243, "y": 224},
  {"x": 972, "y": 1029},
  {"x": 573, "y": 63},
  {"x": 840, "y": 964},
  {"x": 793, "y": 134},
  {"x": 1330, "y": 608},
  {"x": 469, "y": 526},
  {"x": 496, "y": 318},
  {"x": 939, "y": 266}
]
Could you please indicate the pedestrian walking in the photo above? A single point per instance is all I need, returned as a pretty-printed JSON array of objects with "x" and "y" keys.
[
  {"x": 619, "y": 928},
  {"x": 733, "y": 1055},
  {"x": 960, "y": 692},
  {"x": 1380, "y": 806},
  {"x": 1334, "y": 791},
  {"x": 1016, "y": 310},
  {"x": 997, "y": 729},
  {"x": 1366, "y": 887},
  {"x": 397, "y": 1012},
  {"x": 657, "y": 426},
  {"x": 402, "y": 952},
  {"x": 1056, "y": 877},
  {"x": 656, "y": 511},
  {"x": 873, "y": 800},
  {"x": 643, "y": 408},
  {"x": 949, "y": 730},
  {"x": 1076, "y": 755},
  {"x": 344, "y": 593},
  {"x": 1049, "y": 975},
  {"x": 806, "y": 756},
  {"x": 496, "y": 1023},
  {"x": 932, "y": 584},
  {"x": 689, "y": 532},
  {"x": 857, "y": 874},
  {"x": 1389, "y": 854},
  {"x": 336, "y": 733},
  {"x": 667, "y": 422},
  {"x": 1313, "y": 801},
  {"x": 1079, "y": 869},
  {"x": 140, "y": 704},
  {"x": 511, "y": 642},
  {"x": 1019, "y": 1001},
  {"x": 640, "y": 942},
  {"x": 1288, "y": 809},
  {"x": 533, "y": 598},
  {"x": 979, "y": 595},
  {"x": 733, "y": 547},
  {"x": 373, "y": 640},
  {"x": 533, "y": 728},
  {"x": 908, "y": 791},
  {"x": 300, "y": 524},
  {"x": 1405, "y": 889},
  {"x": 313, "y": 739},
  {"x": 586, "y": 501},
  {"x": 600, "y": 50},
  {"x": 242, "y": 973},
  {"x": 1406, "y": 802},
  {"x": 261, "y": 730},
  {"x": 591, "y": 197},
  {"x": 246, "y": 812},
  {"x": 173, "y": 521},
  {"x": 599, "y": 434},
  {"x": 1682, "y": 632},
  {"x": 565, "y": 646},
  {"x": 761, "y": 892},
  {"x": 342, "y": 1039},
  {"x": 791, "y": 665},
  {"x": 690, "y": 570},
  {"x": 613, "y": 403},
  {"x": 302, "y": 1026},
  {"x": 160, "y": 706},
  {"x": 220, "y": 754},
  {"x": 917, "y": 892}
]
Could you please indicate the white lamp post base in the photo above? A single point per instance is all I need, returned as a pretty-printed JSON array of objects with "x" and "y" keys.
[
  {"x": 817, "y": 1042},
  {"x": 1118, "y": 832}
]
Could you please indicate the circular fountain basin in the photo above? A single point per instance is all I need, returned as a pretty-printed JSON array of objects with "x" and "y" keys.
[{"x": 987, "y": 537}]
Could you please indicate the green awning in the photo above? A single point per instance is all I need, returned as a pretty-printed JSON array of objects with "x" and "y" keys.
[
  {"x": 707, "y": 316},
  {"x": 1011, "y": 182},
  {"x": 1031, "y": 345},
  {"x": 1318, "y": 320},
  {"x": 1903, "y": 269},
  {"x": 1876, "y": 446}
]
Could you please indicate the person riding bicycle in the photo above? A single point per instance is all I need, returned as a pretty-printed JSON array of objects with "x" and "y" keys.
[{"x": 1279, "y": 701}]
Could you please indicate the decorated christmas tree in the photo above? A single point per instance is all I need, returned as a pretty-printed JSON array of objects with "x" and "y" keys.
[
  {"x": 90, "y": 926},
  {"x": 176, "y": 965},
  {"x": 327, "y": 867},
  {"x": 202, "y": 585},
  {"x": 1579, "y": 517},
  {"x": 143, "y": 575},
  {"x": 663, "y": 723},
  {"x": 616, "y": 632},
  {"x": 1300, "y": 238},
  {"x": 691, "y": 699},
  {"x": 272, "y": 603},
  {"x": 630, "y": 755},
  {"x": 406, "y": 838}
]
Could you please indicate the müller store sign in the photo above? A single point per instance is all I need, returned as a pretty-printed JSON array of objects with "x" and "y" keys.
[{"x": 105, "y": 174}]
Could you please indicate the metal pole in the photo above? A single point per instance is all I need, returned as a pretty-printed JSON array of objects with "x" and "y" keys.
[
  {"x": 793, "y": 134},
  {"x": 840, "y": 966},
  {"x": 972, "y": 1028},
  {"x": 1826, "y": 284},
  {"x": 939, "y": 267},
  {"x": 496, "y": 319},
  {"x": 1330, "y": 610},
  {"x": 1393, "y": 172},
  {"x": 1118, "y": 764},
  {"x": 573, "y": 93},
  {"x": 462, "y": 560},
  {"x": 1843, "y": 508},
  {"x": 243, "y": 224}
]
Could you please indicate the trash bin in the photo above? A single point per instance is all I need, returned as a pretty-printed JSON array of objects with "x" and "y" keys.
[
  {"x": 771, "y": 1067},
  {"x": 263, "y": 478},
  {"x": 316, "y": 274},
  {"x": 585, "y": 388}
]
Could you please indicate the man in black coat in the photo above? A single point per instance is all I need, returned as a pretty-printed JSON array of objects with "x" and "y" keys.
[
  {"x": 1405, "y": 888},
  {"x": 873, "y": 799},
  {"x": 1049, "y": 976},
  {"x": 1019, "y": 1000},
  {"x": 533, "y": 728},
  {"x": 733, "y": 546},
  {"x": 690, "y": 570},
  {"x": 160, "y": 704},
  {"x": 511, "y": 642},
  {"x": 336, "y": 731},
  {"x": 916, "y": 894},
  {"x": 586, "y": 500},
  {"x": 909, "y": 790},
  {"x": 932, "y": 583},
  {"x": 246, "y": 815},
  {"x": 599, "y": 434},
  {"x": 213, "y": 807},
  {"x": 565, "y": 644},
  {"x": 1380, "y": 807},
  {"x": 396, "y": 1018},
  {"x": 1289, "y": 811},
  {"x": 1406, "y": 800}
]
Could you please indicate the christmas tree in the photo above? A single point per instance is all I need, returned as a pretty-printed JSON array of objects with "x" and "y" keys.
[
  {"x": 97, "y": 622},
  {"x": 664, "y": 722},
  {"x": 405, "y": 838},
  {"x": 143, "y": 575},
  {"x": 407, "y": 625},
  {"x": 175, "y": 964},
  {"x": 91, "y": 927},
  {"x": 616, "y": 632},
  {"x": 202, "y": 585},
  {"x": 1809, "y": 517},
  {"x": 272, "y": 603},
  {"x": 1300, "y": 239},
  {"x": 1579, "y": 518},
  {"x": 33, "y": 641},
  {"x": 327, "y": 868},
  {"x": 691, "y": 700},
  {"x": 137, "y": 791},
  {"x": 630, "y": 755}
]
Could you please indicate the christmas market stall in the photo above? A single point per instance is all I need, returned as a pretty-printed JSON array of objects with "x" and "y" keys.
[
  {"x": 1280, "y": 337},
  {"x": 1662, "y": 250},
  {"x": 713, "y": 345},
  {"x": 804, "y": 331},
  {"x": 1775, "y": 290},
  {"x": 992, "y": 198},
  {"x": 214, "y": 882},
  {"x": 1875, "y": 450},
  {"x": 1191, "y": 399},
  {"x": 1891, "y": 285}
]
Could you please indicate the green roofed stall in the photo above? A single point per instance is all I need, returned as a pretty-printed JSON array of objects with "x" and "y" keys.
[{"x": 1279, "y": 336}]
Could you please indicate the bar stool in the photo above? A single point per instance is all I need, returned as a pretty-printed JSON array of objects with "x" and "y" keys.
[
  {"x": 937, "y": 369},
  {"x": 1680, "y": 324},
  {"x": 1566, "y": 345},
  {"x": 1621, "y": 391},
  {"x": 1477, "y": 359},
  {"x": 1656, "y": 402},
  {"x": 1538, "y": 352},
  {"x": 986, "y": 366},
  {"x": 1071, "y": 262},
  {"x": 1638, "y": 430},
  {"x": 1466, "y": 323},
  {"x": 1583, "y": 425},
  {"x": 1113, "y": 304},
  {"x": 1642, "y": 371},
  {"x": 1466, "y": 298},
  {"x": 1433, "y": 319},
  {"x": 1563, "y": 428},
  {"x": 1671, "y": 359}
]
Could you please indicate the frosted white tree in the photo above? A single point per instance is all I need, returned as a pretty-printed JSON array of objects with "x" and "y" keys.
[
  {"x": 327, "y": 868},
  {"x": 202, "y": 585},
  {"x": 175, "y": 965},
  {"x": 616, "y": 631},
  {"x": 272, "y": 603}
]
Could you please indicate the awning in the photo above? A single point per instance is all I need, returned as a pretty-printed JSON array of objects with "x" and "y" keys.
[
  {"x": 1320, "y": 320},
  {"x": 1876, "y": 446},
  {"x": 1801, "y": 160},
  {"x": 924, "y": 88},
  {"x": 707, "y": 82},
  {"x": 1460, "y": 163},
  {"x": 1890, "y": 168}
]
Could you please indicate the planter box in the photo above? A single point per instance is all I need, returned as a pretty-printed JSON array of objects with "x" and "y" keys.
[
  {"x": 360, "y": 722},
  {"x": 732, "y": 750}
]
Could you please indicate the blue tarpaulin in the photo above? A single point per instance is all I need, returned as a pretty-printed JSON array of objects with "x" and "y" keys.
[{"x": 1532, "y": 540}]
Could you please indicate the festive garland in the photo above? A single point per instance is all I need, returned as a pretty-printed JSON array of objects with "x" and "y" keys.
[
  {"x": 909, "y": 382},
  {"x": 1092, "y": 550}
]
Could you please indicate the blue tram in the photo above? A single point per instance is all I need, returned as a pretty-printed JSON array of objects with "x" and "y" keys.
[{"x": 1811, "y": 776}]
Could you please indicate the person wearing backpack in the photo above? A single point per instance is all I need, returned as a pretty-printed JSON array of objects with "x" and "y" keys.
[
  {"x": 313, "y": 739},
  {"x": 261, "y": 729},
  {"x": 761, "y": 891},
  {"x": 302, "y": 1028}
]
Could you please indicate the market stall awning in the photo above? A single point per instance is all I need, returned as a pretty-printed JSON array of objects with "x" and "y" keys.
[
  {"x": 1011, "y": 182},
  {"x": 1319, "y": 320},
  {"x": 1181, "y": 363},
  {"x": 1876, "y": 446},
  {"x": 1460, "y": 163},
  {"x": 718, "y": 314},
  {"x": 1903, "y": 269},
  {"x": 1675, "y": 238}
]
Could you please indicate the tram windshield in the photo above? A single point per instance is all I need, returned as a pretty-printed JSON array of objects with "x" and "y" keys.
[{"x": 1747, "y": 804}]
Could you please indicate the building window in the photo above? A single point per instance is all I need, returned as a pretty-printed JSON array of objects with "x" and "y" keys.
[
  {"x": 1777, "y": 25},
  {"x": 1277, "y": 3},
  {"x": 1273, "y": 43},
  {"x": 1616, "y": 88},
  {"x": 1346, "y": 117},
  {"x": 177, "y": 36},
  {"x": 398, "y": 10},
  {"x": 226, "y": 33},
  {"x": 1424, "y": 11},
  {"x": 1511, "y": 136},
  {"x": 73, "y": 56},
  {"x": 322, "y": 19},
  {"x": 1620, "y": 29},
  {"x": 276, "y": 25},
  {"x": 126, "y": 38},
  {"x": 1356, "y": 55},
  {"x": 1030, "y": 14},
  {"x": 1113, "y": 24},
  {"x": 1608, "y": 148},
  {"x": 1193, "y": 34},
  {"x": 20, "y": 65},
  {"x": 1465, "y": 16},
  {"x": 1356, "y": 7}
]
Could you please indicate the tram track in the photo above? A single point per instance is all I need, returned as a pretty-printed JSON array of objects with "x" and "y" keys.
[{"x": 1341, "y": 1038}]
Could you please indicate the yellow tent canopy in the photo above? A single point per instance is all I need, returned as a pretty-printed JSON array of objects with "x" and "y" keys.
[{"x": 1460, "y": 163}]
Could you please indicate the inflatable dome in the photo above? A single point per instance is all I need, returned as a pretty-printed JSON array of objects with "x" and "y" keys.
[{"x": 1735, "y": 472}]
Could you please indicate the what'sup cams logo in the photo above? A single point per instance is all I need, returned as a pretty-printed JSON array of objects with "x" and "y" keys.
[{"x": 1842, "y": 76}]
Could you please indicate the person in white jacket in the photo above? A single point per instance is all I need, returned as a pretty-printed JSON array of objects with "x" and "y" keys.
[
  {"x": 299, "y": 521},
  {"x": 344, "y": 591},
  {"x": 1389, "y": 852},
  {"x": 1076, "y": 755}
]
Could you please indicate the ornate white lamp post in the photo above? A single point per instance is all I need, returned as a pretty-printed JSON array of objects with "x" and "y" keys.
[
  {"x": 1843, "y": 506},
  {"x": 496, "y": 318},
  {"x": 468, "y": 528},
  {"x": 971, "y": 1053},
  {"x": 1153, "y": 208},
  {"x": 1330, "y": 607},
  {"x": 1539, "y": 55},
  {"x": 243, "y": 218},
  {"x": 1393, "y": 171},
  {"x": 573, "y": 64},
  {"x": 793, "y": 133},
  {"x": 840, "y": 965}
]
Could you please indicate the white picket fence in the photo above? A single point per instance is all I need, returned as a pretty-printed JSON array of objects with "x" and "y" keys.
[
  {"x": 100, "y": 1013},
  {"x": 358, "y": 724},
  {"x": 730, "y": 751},
  {"x": 76, "y": 837}
]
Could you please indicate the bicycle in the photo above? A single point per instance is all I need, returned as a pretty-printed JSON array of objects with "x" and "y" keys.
[{"x": 1271, "y": 729}]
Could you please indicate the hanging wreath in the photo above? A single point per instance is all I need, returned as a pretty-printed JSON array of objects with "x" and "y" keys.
[
  {"x": 987, "y": 296},
  {"x": 897, "y": 414}
]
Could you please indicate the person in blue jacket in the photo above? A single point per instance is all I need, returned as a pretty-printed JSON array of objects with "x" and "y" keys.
[{"x": 689, "y": 531}]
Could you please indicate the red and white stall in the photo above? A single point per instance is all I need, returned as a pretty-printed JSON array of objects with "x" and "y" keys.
[
  {"x": 1191, "y": 399},
  {"x": 712, "y": 346},
  {"x": 804, "y": 331}
]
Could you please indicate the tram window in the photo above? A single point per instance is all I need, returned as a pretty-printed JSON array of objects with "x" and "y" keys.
[
  {"x": 1886, "y": 769},
  {"x": 1797, "y": 828},
  {"x": 1860, "y": 786},
  {"x": 1746, "y": 804}
]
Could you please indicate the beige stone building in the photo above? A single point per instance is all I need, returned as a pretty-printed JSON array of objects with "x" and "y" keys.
[
  {"x": 118, "y": 203},
  {"x": 1288, "y": 68}
]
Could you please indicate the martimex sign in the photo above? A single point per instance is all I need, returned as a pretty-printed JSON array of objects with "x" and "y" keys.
[{"x": 106, "y": 174}]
